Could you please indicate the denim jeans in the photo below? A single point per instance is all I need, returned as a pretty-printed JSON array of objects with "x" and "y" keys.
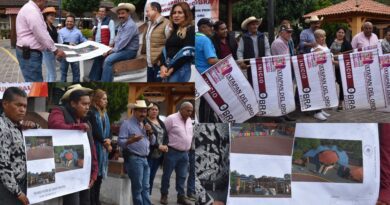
[
  {"x": 183, "y": 74},
  {"x": 112, "y": 59},
  {"x": 31, "y": 68},
  {"x": 154, "y": 164},
  {"x": 97, "y": 68},
  {"x": 138, "y": 171},
  {"x": 75, "y": 70},
  {"x": 154, "y": 74},
  {"x": 178, "y": 161},
  {"x": 6, "y": 197},
  {"x": 49, "y": 59},
  {"x": 191, "y": 174}
]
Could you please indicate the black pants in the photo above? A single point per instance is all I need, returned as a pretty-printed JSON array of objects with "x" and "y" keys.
[
  {"x": 339, "y": 81},
  {"x": 95, "y": 191},
  {"x": 6, "y": 197},
  {"x": 78, "y": 198}
]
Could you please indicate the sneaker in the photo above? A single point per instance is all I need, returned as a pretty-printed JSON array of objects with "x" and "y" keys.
[
  {"x": 164, "y": 199},
  {"x": 191, "y": 197},
  {"x": 183, "y": 200},
  {"x": 325, "y": 113},
  {"x": 320, "y": 116}
]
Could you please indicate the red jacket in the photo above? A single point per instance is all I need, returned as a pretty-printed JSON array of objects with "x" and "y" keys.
[
  {"x": 57, "y": 121},
  {"x": 384, "y": 193}
]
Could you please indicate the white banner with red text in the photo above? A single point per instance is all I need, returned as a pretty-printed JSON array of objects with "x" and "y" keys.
[
  {"x": 201, "y": 86},
  {"x": 384, "y": 62},
  {"x": 31, "y": 89}
]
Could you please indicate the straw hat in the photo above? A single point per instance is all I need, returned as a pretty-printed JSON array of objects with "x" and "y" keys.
[
  {"x": 313, "y": 19},
  {"x": 49, "y": 10},
  {"x": 128, "y": 6},
  {"x": 249, "y": 20},
  {"x": 139, "y": 104},
  {"x": 73, "y": 88}
]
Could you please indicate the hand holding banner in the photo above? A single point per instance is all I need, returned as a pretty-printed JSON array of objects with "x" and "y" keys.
[{"x": 201, "y": 86}]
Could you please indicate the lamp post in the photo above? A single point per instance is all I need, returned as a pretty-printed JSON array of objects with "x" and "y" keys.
[{"x": 271, "y": 19}]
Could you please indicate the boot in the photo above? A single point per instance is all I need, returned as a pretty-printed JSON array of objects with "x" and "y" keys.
[
  {"x": 183, "y": 200},
  {"x": 164, "y": 199}
]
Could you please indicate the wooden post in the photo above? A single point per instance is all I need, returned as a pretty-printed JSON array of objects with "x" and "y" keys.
[
  {"x": 13, "y": 30},
  {"x": 356, "y": 24},
  {"x": 229, "y": 8},
  {"x": 132, "y": 97}
]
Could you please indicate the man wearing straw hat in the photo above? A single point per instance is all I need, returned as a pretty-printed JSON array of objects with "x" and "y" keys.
[
  {"x": 253, "y": 43},
  {"x": 72, "y": 116},
  {"x": 126, "y": 41},
  {"x": 307, "y": 40},
  {"x": 135, "y": 138}
]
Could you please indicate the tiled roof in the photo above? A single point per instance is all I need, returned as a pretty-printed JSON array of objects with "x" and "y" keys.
[
  {"x": 12, "y": 10},
  {"x": 353, "y": 6}
]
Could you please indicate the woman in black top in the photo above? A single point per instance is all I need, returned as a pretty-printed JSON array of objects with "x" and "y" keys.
[
  {"x": 49, "y": 59},
  {"x": 180, "y": 46}
]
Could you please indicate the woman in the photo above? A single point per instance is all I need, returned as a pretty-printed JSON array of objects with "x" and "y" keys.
[
  {"x": 180, "y": 46},
  {"x": 101, "y": 132},
  {"x": 49, "y": 59},
  {"x": 339, "y": 46},
  {"x": 156, "y": 156}
]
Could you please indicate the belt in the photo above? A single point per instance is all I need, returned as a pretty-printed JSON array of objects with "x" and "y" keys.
[
  {"x": 32, "y": 50},
  {"x": 175, "y": 149}
]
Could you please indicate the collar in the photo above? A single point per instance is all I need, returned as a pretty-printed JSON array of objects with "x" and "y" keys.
[
  {"x": 200, "y": 34},
  {"x": 124, "y": 23},
  {"x": 9, "y": 121},
  {"x": 35, "y": 6},
  {"x": 159, "y": 20}
]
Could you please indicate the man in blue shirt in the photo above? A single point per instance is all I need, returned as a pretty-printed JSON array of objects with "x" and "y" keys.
[
  {"x": 205, "y": 55},
  {"x": 70, "y": 35},
  {"x": 307, "y": 40},
  {"x": 135, "y": 138},
  {"x": 126, "y": 41}
]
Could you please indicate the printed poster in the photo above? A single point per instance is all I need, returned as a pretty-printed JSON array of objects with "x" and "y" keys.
[
  {"x": 32, "y": 89},
  {"x": 201, "y": 86},
  {"x": 385, "y": 69},
  {"x": 83, "y": 51}
]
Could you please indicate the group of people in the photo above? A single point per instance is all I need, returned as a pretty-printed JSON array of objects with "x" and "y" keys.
[
  {"x": 167, "y": 44},
  {"x": 215, "y": 42},
  {"x": 146, "y": 142}
]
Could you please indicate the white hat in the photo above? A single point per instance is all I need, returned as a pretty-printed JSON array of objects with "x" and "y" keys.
[
  {"x": 245, "y": 23},
  {"x": 73, "y": 88},
  {"x": 313, "y": 19},
  {"x": 128, "y": 6},
  {"x": 139, "y": 104}
]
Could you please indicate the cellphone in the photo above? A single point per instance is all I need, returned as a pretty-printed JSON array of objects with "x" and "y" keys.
[{"x": 26, "y": 52}]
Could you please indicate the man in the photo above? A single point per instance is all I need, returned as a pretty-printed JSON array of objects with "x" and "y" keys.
[
  {"x": 307, "y": 40},
  {"x": 386, "y": 42},
  {"x": 154, "y": 40},
  {"x": 70, "y": 35},
  {"x": 13, "y": 175},
  {"x": 365, "y": 38},
  {"x": 126, "y": 42},
  {"x": 253, "y": 44},
  {"x": 180, "y": 133},
  {"x": 282, "y": 46},
  {"x": 32, "y": 39},
  {"x": 224, "y": 41},
  {"x": 135, "y": 137},
  {"x": 72, "y": 116},
  {"x": 205, "y": 55},
  {"x": 103, "y": 32}
]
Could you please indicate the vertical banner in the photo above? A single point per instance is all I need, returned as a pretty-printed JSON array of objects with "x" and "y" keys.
[
  {"x": 201, "y": 86},
  {"x": 361, "y": 77},
  {"x": 316, "y": 81},
  {"x": 273, "y": 85},
  {"x": 378, "y": 47},
  {"x": 230, "y": 96},
  {"x": 206, "y": 9},
  {"x": 58, "y": 163},
  {"x": 384, "y": 62}
]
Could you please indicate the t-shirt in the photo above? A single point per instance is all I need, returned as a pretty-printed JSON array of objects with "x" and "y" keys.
[{"x": 204, "y": 49}]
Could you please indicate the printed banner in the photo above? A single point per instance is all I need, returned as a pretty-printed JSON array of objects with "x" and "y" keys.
[
  {"x": 377, "y": 47},
  {"x": 201, "y": 86},
  {"x": 273, "y": 85},
  {"x": 361, "y": 77},
  {"x": 384, "y": 62},
  {"x": 83, "y": 51},
  {"x": 316, "y": 81},
  {"x": 206, "y": 9},
  {"x": 337, "y": 165},
  {"x": 58, "y": 163},
  {"x": 166, "y": 5},
  {"x": 230, "y": 95},
  {"x": 31, "y": 89}
]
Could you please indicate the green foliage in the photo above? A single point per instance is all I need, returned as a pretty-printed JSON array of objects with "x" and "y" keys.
[
  {"x": 387, "y": 2},
  {"x": 298, "y": 154},
  {"x": 87, "y": 33},
  {"x": 246, "y": 8},
  {"x": 5, "y": 33},
  {"x": 78, "y": 7},
  {"x": 305, "y": 144}
]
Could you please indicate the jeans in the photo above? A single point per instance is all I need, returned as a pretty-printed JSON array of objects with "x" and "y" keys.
[
  {"x": 6, "y": 197},
  {"x": 154, "y": 74},
  {"x": 183, "y": 74},
  {"x": 178, "y": 161},
  {"x": 78, "y": 198},
  {"x": 154, "y": 164},
  {"x": 191, "y": 174},
  {"x": 97, "y": 68},
  {"x": 138, "y": 171},
  {"x": 75, "y": 70},
  {"x": 31, "y": 68},
  {"x": 112, "y": 59},
  {"x": 49, "y": 60}
]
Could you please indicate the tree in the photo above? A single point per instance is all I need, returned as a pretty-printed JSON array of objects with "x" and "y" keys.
[{"x": 78, "y": 7}]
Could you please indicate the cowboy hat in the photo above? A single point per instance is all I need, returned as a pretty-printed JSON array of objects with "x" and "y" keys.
[
  {"x": 49, "y": 10},
  {"x": 128, "y": 6},
  {"x": 249, "y": 20},
  {"x": 313, "y": 19},
  {"x": 139, "y": 104},
  {"x": 73, "y": 88}
]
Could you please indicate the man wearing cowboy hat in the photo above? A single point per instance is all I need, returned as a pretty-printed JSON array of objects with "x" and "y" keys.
[
  {"x": 126, "y": 41},
  {"x": 307, "y": 39},
  {"x": 135, "y": 138},
  {"x": 253, "y": 44},
  {"x": 72, "y": 116}
]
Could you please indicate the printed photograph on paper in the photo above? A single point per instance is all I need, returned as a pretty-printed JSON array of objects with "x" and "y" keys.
[
  {"x": 40, "y": 172},
  {"x": 39, "y": 147},
  {"x": 69, "y": 158}
]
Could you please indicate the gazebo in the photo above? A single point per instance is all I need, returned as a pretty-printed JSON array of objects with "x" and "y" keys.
[{"x": 355, "y": 13}]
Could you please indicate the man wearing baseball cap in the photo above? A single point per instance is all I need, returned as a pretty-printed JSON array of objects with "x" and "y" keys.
[
  {"x": 281, "y": 45},
  {"x": 205, "y": 55}
]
